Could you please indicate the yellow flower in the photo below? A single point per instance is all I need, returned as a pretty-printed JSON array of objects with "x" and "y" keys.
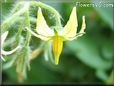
[
  {"x": 3, "y": 37},
  {"x": 45, "y": 33}
]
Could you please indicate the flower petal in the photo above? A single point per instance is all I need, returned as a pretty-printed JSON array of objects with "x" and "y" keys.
[
  {"x": 3, "y": 37},
  {"x": 42, "y": 27},
  {"x": 57, "y": 47},
  {"x": 83, "y": 27},
  {"x": 45, "y": 38},
  {"x": 2, "y": 58},
  {"x": 9, "y": 52},
  {"x": 71, "y": 26}
]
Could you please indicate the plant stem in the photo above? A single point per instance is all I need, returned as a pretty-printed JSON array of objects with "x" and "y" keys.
[
  {"x": 52, "y": 10},
  {"x": 27, "y": 21},
  {"x": 5, "y": 23}
]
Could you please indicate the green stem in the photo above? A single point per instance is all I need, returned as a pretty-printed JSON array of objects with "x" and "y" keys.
[
  {"x": 27, "y": 22},
  {"x": 16, "y": 8},
  {"x": 19, "y": 32},
  {"x": 52, "y": 10},
  {"x": 5, "y": 23}
]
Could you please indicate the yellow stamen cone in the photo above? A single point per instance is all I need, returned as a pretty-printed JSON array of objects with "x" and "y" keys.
[{"x": 57, "y": 48}]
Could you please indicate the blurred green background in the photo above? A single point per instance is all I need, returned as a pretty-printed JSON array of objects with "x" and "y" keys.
[{"x": 88, "y": 59}]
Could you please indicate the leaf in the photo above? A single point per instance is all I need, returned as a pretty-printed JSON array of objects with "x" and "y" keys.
[
  {"x": 101, "y": 75},
  {"x": 110, "y": 79},
  {"x": 106, "y": 14},
  {"x": 87, "y": 50}
]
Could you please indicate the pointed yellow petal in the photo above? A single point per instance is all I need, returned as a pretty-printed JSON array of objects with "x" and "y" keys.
[
  {"x": 57, "y": 48},
  {"x": 83, "y": 26},
  {"x": 42, "y": 27},
  {"x": 3, "y": 37},
  {"x": 45, "y": 38},
  {"x": 71, "y": 26}
]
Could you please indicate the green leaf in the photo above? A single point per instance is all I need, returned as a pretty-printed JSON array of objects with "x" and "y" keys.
[
  {"x": 101, "y": 75},
  {"x": 106, "y": 14},
  {"x": 87, "y": 50},
  {"x": 110, "y": 80}
]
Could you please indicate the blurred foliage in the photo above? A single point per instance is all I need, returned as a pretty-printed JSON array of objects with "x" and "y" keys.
[{"x": 85, "y": 60}]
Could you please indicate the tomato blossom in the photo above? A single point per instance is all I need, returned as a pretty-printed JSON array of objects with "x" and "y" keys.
[{"x": 57, "y": 36}]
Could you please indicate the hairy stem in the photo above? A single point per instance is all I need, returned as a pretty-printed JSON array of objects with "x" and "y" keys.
[
  {"x": 52, "y": 10},
  {"x": 5, "y": 23}
]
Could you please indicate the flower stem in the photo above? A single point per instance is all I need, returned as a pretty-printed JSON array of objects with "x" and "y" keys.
[
  {"x": 52, "y": 10},
  {"x": 27, "y": 22},
  {"x": 6, "y": 23}
]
